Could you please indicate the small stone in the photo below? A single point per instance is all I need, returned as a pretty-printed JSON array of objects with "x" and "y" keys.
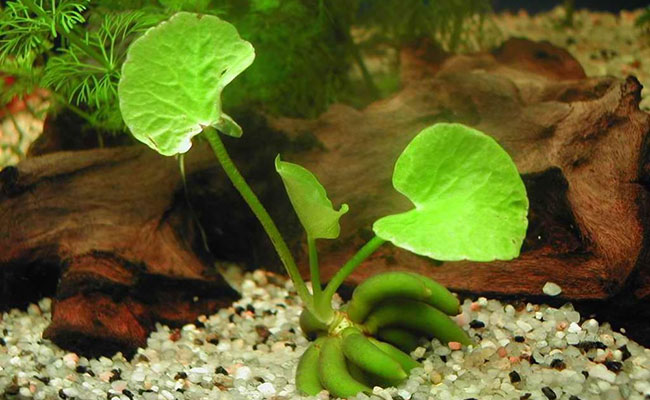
[
  {"x": 243, "y": 373},
  {"x": 70, "y": 360},
  {"x": 118, "y": 386},
  {"x": 266, "y": 389},
  {"x": 514, "y": 377},
  {"x": 524, "y": 326},
  {"x": 549, "y": 393},
  {"x": 551, "y": 289},
  {"x": 476, "y": 324},
  {"x": 601, "y": 372},
  {"x": 454, "y": 345},
  {"x": 574, "y": 328}
]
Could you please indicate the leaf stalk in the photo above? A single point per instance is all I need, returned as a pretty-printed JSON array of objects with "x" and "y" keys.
[{"x": 262, "y": 215}]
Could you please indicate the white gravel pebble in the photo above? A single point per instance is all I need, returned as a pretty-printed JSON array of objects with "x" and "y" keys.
[{"x": 551, "y": 289}]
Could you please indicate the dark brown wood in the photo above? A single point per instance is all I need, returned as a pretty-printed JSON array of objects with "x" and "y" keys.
[
  {"x": 114, "y": 223},
  {"x": 111, "y": 223}
]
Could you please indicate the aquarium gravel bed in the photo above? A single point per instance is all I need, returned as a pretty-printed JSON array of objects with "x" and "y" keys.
[{"x": 250, "y": 351}]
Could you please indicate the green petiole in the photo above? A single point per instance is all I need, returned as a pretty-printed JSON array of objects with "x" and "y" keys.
[
  {"x": 260, "y": 212},
  {"x": 313, "y": 269},
  {"x": 324, "y": 306}
]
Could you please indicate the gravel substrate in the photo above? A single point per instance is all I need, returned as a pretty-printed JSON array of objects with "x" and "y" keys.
[
  {"x": 250, "y": 351},
  {"x": 604, "y": 43}
]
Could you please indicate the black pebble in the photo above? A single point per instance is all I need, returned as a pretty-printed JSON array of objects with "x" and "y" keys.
[
  {"x": 613, "y": 366},
  {"x": 2, "y": 342},
  {"x": 443, "y": 358},
  {"x": 43, "y": 379},
  {"x": 586, "y": 374},
  {"x": 231, "y": 318},
  {"x": 213, "y": 340},
  {"x": 526, "y": 396},
  {"x": 519, "y": 339},
  {"x": 249, "y": 307},
  {"x": 180, "y": 375},
  {"x": 290, "y": 344},
  {"x": 590, "y": 345},
  {"x": 127, "y": 393},
  {"x": 117, "y": 375},
  {"x": 239, "y": 310},
  {"x": 81, "y": 369},
  {"x": 259, "y": 379},
  {"x": 549, "y": 393},
  {"x": 221, "y": 370},
  {"x": 62, "y": 395},
  {"x": 558, "y": 364},
  {"x": 574, "y": 397},
  {"x": 625, "y": 351},
  {"x": 476, "y": 324},
  {"x": 514, "y": 377},
  {"x": 199, "y": 324}
]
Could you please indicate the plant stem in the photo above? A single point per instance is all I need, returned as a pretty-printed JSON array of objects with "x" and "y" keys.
[
  {"x": 260, "y": 212},
  {"x": 72, "y": 37},
  {"x": 313, "y": 269},
  {"x": 336, "y": 281}
]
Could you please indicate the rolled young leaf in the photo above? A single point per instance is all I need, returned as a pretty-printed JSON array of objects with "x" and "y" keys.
[
  {"x": 172, "y": 78},
  {"x": 470, "y": 202},
  {"x": 309, "y": 199}
]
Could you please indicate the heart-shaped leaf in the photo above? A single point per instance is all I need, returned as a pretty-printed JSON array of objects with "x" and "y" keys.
[
  {"x": 310, "y": 201},
  {"x": 470, "y": 202},
  {"x": 171, "y": 82}
]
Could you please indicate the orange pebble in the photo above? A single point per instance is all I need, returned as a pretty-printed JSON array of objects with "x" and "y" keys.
[
  {"x": 561, "y": 326},
  {"x": 454, "y": 345},
  {"x": 502, "y": 352},
  {"x": 175, "y": 335},
  {"x": 475, "y": 306},
  {"x": 513, "y": 359}
]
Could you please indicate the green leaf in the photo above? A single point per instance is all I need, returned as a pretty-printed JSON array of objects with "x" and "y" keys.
[
  {"x": 310, "y": 201},
  {"x": 470, "y": 202},
  {"x": 171, "y": 82}
]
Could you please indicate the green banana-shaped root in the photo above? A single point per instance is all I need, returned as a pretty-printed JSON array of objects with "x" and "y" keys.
[
  {"x": 333, "y": 372},
  {"x": 307, "y": 376},
  {"x": 396, "y": 354},
  {"x": 363, "y": 353},
  {"x": 398, "y": 284},
  {"x": 415, "y": 316},
  {"x": 401, "y": 338},
  {"x": 310, "y": 325}
]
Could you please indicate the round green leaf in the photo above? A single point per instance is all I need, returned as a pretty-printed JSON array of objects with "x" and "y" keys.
[
  {"x": 171, "y": 81},
  {"x": 470, "y": 202},
  {"x": 310, "y": 201}
]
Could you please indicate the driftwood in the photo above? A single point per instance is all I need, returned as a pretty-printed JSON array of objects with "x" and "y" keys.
[{"x": 115, "y": 224}]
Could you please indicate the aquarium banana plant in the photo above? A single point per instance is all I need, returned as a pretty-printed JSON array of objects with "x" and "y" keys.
[{"x": 468, "y": 203}]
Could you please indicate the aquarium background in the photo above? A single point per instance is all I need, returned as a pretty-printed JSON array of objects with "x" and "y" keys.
[{"x": 330, "y": 88}]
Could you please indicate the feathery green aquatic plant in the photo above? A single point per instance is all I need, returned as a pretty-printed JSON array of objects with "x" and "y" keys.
[{"x": 305, "y": 48}]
